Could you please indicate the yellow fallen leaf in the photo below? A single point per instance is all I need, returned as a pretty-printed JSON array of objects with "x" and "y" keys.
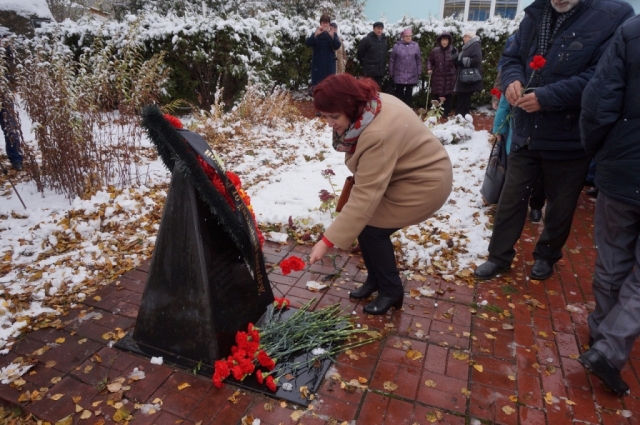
[
  {"x": 570, "y": 403},
  {"x": 66, "y": 421},
  {"x": 19, "y": 382},
  {"x": 296, "y": 415},
  {"x": 157, "y": 400},
  {"x": 25, "y": 396},
  {"x": 82, "y": 341},
  {"x": 548, "y": 398},
  {"x": 183, "y": 386},
  {"x": 114, "y": 387},
  {"x": 543, "y": 334},
  {"x": 390, "y": 386},
  {"x": 414, "y": 355},
  {"x": 466, "y": 392},
  {"x": 97, "y": 298},
  {"x": 79, "y": 408},
  {"x": 96, "y": 403},
  {"x": 57, "y": 397},
  {"x": 86, "y": 414},
  {"x": 459, "y": 355},
  {"x": 76, "y": 399},
  {"x": 430, "y": 383},
  {"x": 362, "y": 380},
  {"x": 513, "y": 398},
  {"x": 56, "y": 379},
  {"x": 508, "y": 410},
  {"x": 152, "y": 411},
  {"x": 511, "y": 377},
  {"x": 120, "y": 415},
  {"x": 88, "y": 368},
  {"x": 478, "y": 367},
  {"x": 434, "y": 415},
  {"x": 574, "y": 356},
  {"x": 234, "y": 397},
  {"x": 60, "y": 340}
]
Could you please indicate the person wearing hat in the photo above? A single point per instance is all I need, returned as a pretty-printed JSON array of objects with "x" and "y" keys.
[
  {"x": 324, "y": 42},
  {"x": 405, "y": 66},
  {"x": 372, "y": 53},
  {"x": 341, "y": 53},
  {"x": 470, "y": 57}
]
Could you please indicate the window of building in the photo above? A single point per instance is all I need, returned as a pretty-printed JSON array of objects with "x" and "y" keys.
[{"x": 479, "y": 10}]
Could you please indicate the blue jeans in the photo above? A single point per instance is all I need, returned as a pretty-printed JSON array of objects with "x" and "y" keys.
[{"x": 11, "y": 135}]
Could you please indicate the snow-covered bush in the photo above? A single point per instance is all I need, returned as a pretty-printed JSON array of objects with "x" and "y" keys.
[{"x": 204, "y": 51}]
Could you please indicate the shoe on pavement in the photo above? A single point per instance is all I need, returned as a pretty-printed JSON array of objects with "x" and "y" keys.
[
  {"x": 535, "y": 216},
  {"x": 489, "y": 270},
  {"x": 596, "y": 363},
  {"x": 541, "y": 270}
]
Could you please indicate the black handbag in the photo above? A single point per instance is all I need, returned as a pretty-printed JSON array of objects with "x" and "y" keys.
[
  {"x": 495, "y": 173},
  {"x": 470, "y": 75}
]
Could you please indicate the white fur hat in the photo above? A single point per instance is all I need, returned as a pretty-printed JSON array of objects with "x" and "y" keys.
[{"x": 469, "y": 33}]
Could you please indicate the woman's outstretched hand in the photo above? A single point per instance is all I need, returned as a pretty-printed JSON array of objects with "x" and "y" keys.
[{"x": 318, "y": 252}]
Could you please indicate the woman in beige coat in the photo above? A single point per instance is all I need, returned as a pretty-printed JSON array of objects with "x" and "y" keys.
[{"x": 402, "y": 176}]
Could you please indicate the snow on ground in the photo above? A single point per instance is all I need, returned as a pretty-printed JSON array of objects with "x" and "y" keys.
[{"x": 57, "y": 252}]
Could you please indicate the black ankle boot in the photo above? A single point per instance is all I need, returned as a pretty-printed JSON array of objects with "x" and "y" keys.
[
  {"x": 364, "y": 291},
  {"x": 382, "y": 304}
]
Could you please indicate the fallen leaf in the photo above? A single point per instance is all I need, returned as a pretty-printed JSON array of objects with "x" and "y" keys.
[
  {"x": 56, "y": 397},
  {"x": 478, "y": 367},
  {"x": 88, "y": 368},
  {"x": 79, "y": 408},
  {"x": 362, "y": 380},
  {"x": 390, "y": 386},
  {"x": 548, "y": 398},
  {"x": 513, "y": 398},
  {"x": 114, "y": 387},
  {"x": 268, "y": 407},
  {"x": 414, "y": 355},
  {"x": 50, "y": 364},
  {"x": 234, "y": 397},
  {"x": 434, "y": 416},
  {"x": 56, "y": 379},
  {"x": 86, "y": 414},
  {"x": 60, "y": 341},
  {"x": 296, "y": 415},
  {"x": 570, "y": 403},
  {"x": 66, "y": 421},
  {"x": 430, "y": 383},
  {"x": 25, "y": 396},
  {"x": 459, "y": 355},
  {"x": 96, "y": 403},
  {"x": 511, "y": 377},
  {"x": 489, "y": 336},
  {"x": 543, "y": 334},
  {"x": 507, "y": 326},
  {"x": 120, "y": 415},
  {"x": 76, "y": 399},
  {"x": 183, "y": 386},
  {"x": 466, "y": 392},
  {"x": 97, "y": 298},
  {"x": 304, "y": 392},
  {"x": 508, "y": 410},
  {"x": 82, "y": 341}
]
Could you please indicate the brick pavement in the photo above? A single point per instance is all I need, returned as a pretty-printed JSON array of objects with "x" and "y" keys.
[{"x": 494, "y": 363}]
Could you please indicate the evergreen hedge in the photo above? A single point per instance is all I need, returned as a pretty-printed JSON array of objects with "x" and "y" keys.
[{"x": 206, "y": 53}]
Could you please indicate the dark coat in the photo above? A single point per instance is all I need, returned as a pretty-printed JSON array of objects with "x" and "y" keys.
[
  {"x": 610, "y": 117},
  {"x": 405, "y": 63},
  {"x": 372, "y": 54},
  {"x": 443, "y": 64},
  {"x": 470, "y": 56},
  {"x": 323, "y": 62},
  {"x": 571, "y": 62}
]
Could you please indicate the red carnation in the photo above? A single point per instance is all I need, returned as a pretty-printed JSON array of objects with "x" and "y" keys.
[
  {"x": 271, "y": 383},
  {"x": 240, "y": 355},
  {"x": 251, "y": 348},
  {"x": 281, "y": 303},
  {"x": 259, "y": 376},
  {"x": 285, "y": 266},
  {"x": 217, "y": 381},
  {"x": 241, "y": 338},
  {"x": 296, "y": 263},
  {"x": 247, "y": 366},
  {"x": 234, "y": 179},
  {"x": 538, "y": 62},
  {"x": 174, "y": 121},
  {"x": 496, "y": 92},
  {"x": 266, "y": 361},
  {"x": 237, "y": 372}
]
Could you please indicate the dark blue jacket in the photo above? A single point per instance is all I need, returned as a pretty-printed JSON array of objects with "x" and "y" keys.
[
  {"x": 571, "y": 61},
  {"x": 610, "y": 118},
  {"x": 372, "y": 54},
  {"x": 323, "y": 62}
]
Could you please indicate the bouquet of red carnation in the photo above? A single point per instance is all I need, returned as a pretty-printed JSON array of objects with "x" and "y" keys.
[
  {"x": 292, "y": 263},
  {"x": 265, "y": 352}
]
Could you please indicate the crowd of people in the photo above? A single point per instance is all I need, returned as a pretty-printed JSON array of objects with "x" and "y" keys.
[
  {"x": 568, "y": 105},
  {"x": 405, "y": 64}
]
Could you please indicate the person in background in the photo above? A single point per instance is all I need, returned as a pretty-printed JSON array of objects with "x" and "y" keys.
[
  {"x": 610, "y": 129},
  {"x": 441, "y": 66},
  {"x": 545, "y": 134},
  {"x": 372, "y": 53},
  {"x": 341, "y": 53},
  {"x": 470, "y": 56},
  {"x": 8, "y": 113},
  {"x": 405, "y": 66},
  {"x": 497, "y": 84},
  {"x": 324, "y": 42},
  {"x": 402, "y": 176}
]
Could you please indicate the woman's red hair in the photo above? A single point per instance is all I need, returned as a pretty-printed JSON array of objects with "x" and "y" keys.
[{"x": 344, "y": 94}]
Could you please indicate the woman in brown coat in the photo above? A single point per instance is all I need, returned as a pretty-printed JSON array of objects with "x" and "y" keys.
[
  {"x": 441, "y": 65},
  {"x": 402, "y": 176}
]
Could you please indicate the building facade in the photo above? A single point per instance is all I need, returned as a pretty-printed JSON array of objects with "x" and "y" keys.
[{"x": 464, "y": 10}]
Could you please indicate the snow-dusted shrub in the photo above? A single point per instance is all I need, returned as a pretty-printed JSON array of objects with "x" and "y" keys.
[
  {"x": 85, "y": 111},
  {"x": 206, "y": 50}
]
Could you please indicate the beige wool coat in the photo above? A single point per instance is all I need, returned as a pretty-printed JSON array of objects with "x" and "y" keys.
[{"x": 402, "y": 175}]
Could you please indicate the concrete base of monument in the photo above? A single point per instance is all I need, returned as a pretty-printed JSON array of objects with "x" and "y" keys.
[{"x": 303, "y": 375}]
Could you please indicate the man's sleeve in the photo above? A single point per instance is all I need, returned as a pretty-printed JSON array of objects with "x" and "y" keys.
[
  {"x": 603, "y": 97},
  {"x": 335, "y": 43},
  {"x": 311, "y": 40},
  {"x": 362, "y": 48},
  {"x": 512, "y": 69}
]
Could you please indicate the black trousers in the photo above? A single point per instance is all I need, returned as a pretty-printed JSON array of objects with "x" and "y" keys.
[
  {"x": 404, "y": 92},
  {"x": 464, "y": 103},
  {"x": 379, "y": 257},
  {"x": 537, "y": 195},
  {"x": 562, "y": 181}
]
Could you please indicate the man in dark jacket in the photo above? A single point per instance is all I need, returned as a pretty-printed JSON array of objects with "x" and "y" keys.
[
  {"x": 324, "y": 42},
  {"x": 372, "y": 53},
  {"x": 572, "y": 36},
  {"x": 610, "y": 129}
]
